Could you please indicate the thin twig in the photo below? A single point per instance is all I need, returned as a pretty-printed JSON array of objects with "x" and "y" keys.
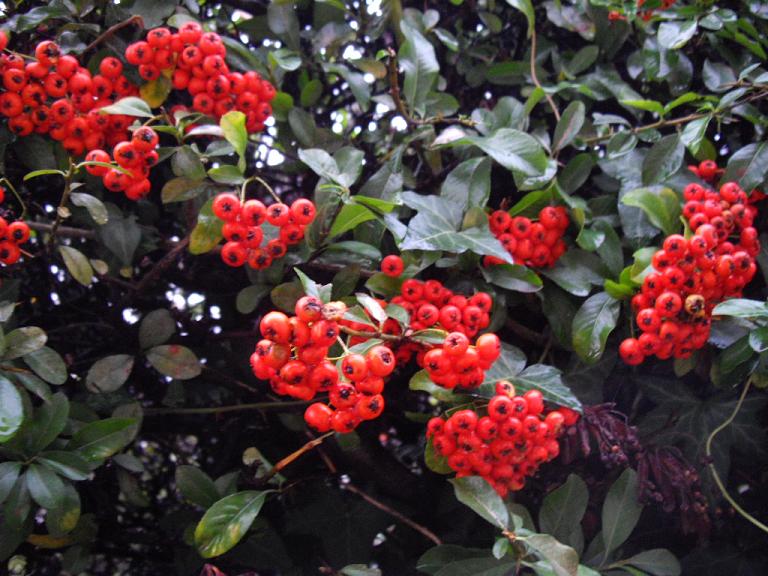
[
  {"x": 225, "y": 409},
  {"x": 63, "y": 231},
  {"x": 716, "y": 477},
  {"x": 112, "y": 30},
  {"x": 423, "y": 530},
  {"x": 62, "y": 205},
  {"x": 535, "y": 76},
  {"x": 277, "y": 468},
  {"x": 162, "y": 264}
]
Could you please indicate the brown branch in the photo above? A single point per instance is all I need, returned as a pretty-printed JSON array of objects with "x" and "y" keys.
[
  {"x": 225, "y": 409},
  {"x": 293, "y": 456},
  {"x": 112, "y": 30},
  {"x": 525, "y": 332},
  {"x": 63, "y": 231},
  {"x": 163, "y": 264},
  {"x": 535, "y": 77},
  {"x": 423, "y": 530},
  {"x": 676, "y": 121}
]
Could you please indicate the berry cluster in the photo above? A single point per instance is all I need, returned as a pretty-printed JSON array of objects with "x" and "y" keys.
[
  {"x": 537, "y": 244},
  {"x": 506, "y": 445},
  {"x": 293, "y": 356},
  {"x": 197, "y": 59},
  {"x": 457, "y": 363},
  {"x": 135, "y": 156},
  {"x": 57, "y": 96},
  {"x": 691, "y": 276},
  {"x": 645, "y": 14},
  {"x": 244, "y": 235},
  {"x": 11, "y": 237}
]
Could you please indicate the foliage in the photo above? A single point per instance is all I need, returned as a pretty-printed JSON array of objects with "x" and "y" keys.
[{"x": 134, "y": 436}]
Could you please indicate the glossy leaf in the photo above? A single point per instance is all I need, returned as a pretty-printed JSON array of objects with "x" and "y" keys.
[
  {"x": 175, "y": 361},
  {"x": 592, "y": 325},
  {"x": 476, "y": 493},
  {"x": 11, "y": 410},
  {"x": 226, "y": 522},
  {"x": 110, "y": 373}
]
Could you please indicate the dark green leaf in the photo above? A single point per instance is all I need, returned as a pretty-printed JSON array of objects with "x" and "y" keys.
[
  {"x": 621, "y": 510},
  {"x": 575, "y": 272},
  {"x": 563, "y": 559},
  {"x": 110, "y": 373},
  {"x": 156, "y": 328},
  {"x": 207, "y": 232},
  {"x": 663, "y": 160},
  {"x": 48, "y": 364},
  {"x": 68, "y": 464},
  {"x": 95, "y": 207},
  {"x": 562, "y": 511},
  {"x": 249, "y": 297},
  {"x": 23, "y": 341},
  {"x": 658, "y": 562},
  {"x": 11, "y": 410},
  {"x": 175, "y": 361},
  {"x": 77, "y": 264},
  {"x": 121, "y": 236},
  {"x": 469, "y": 184},
  {"x": 661, "y": 205},
  {"x": 420, "y": 65},
  {"x": 196, "y": 486},
  {"x": 476, "y": 493},
  {"x": 512, "y": 277},
  {"x": 129, "y": 106},
  {"x": 103, "y": 438},
  {"x": 592, "y": 325},
  {"x": 226, "y": 522},
  {"x": 45, "y": 487},
  {"x": 569, "y": 125}
]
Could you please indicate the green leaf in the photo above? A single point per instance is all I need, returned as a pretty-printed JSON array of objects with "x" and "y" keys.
[
  {"x": 663, "y": 159},
  {"x": 434, "y": 461},
  {"x": 156, "y": 328},
  {"x": 562, "y": 511},
  {"x": 349, "y": 218},
  {"x": 186, "y": 162},
  {"x": 748, "y": 165},
  {"x": 526, "y": 7},
  {"x": 508, "y": 365},
  {"x": 476, "y": 493},
  {"x": 77, "y": 264},
  {"x": 23, "y": 341},
  {"x": 183, "y": 188},
  {"x": 741, "y": 308},
  {"x": 45, "y": 487},
  {"x": 9, "y": 472},
  {"x": 248, "y": 298},
  {"x": 227, "y": 174},
  {"x": 196, "y": 486},
  {"x": 175, "y": 361},
  {"x": 95, "y": 207},
  {"x": 435, "y": 227},
  {"x": 517, "y": 151},
  {"x": 563, "y": 559},
  {"x": 659, "y": 562},
  {"x": 372, "y": 306},
  {"x": 575, "y": 272},
  {"x": 647, "y": 105},
  {"x": 311, "y": 93},
  {"x": 469, "y": 184},
  {"x": 233, "y": 126},
  {"x": 45, "y": 172},
  {"x": 207, "y": 232},
  {"x": 47, "y": 422},
  {"x": 547, "y": 380},
  {"x": 592, "y": 325},
  {"x": 68, "y": 464},
  {"x": 129, "y": 106},
  {"x": 103, "y": 438},
  {"x": 621, "y": 511},
  {"x": 569, "y": 125},
  {"x": 11, "y": 410},
  {"x": 121, "y": 236},
  {"x": 48, "y": 364},
  {"x": 694, "y": 133},
  {"x": 110, "y": 373},
  {"x": 420, "y": 66},
  {"x": 226, "y": 522},
  {"x": 512, "y": 277},
  {"x": 65, "y": 517},
  {"x": 155, "y": 92},
  {"x": 675, "y": 34},
  {"x": 661, "y": 205}
]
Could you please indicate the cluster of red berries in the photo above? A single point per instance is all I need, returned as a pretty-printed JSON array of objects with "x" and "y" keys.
[
  {"x": 197, "y": 59},
  {"x": 57, "y": 96},
  {"x": 458, "y": 363},
  {"x": 645, "y": 14},
  {"x": 506, "y": 445},
  {"x": 11, "y": 237},
  {"x": 674, "y": 307},
  {"x": 538, "y": 244},
  {"x": 293, "y": 356},
  {"x": 244, "y": 235},
  {"x": 135, "y": 157}
]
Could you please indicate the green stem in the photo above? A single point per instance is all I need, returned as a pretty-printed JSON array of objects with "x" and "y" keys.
[
  {"x": 62, "y": 205},
  {"x": 716, "y": 477},
  {"x": 7, "y": 183}
]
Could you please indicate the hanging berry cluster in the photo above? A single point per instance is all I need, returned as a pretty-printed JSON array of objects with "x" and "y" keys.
[
  {"x": 293, "y": 356},
  {"x": 12, "y": 236},
  {"x": 507, "y": 444},
  {"x": 243, "y": 232},
  {"x": 691, "y": 276},
  {"x": 55, "y": 95},
  {"x": 644, "y": 14},
  {"x": 458, "y": 363},
  {"x": 135, "y": 157},
  {"x": 538, "y": 244},
  {"x": 197, "y": 59}
]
